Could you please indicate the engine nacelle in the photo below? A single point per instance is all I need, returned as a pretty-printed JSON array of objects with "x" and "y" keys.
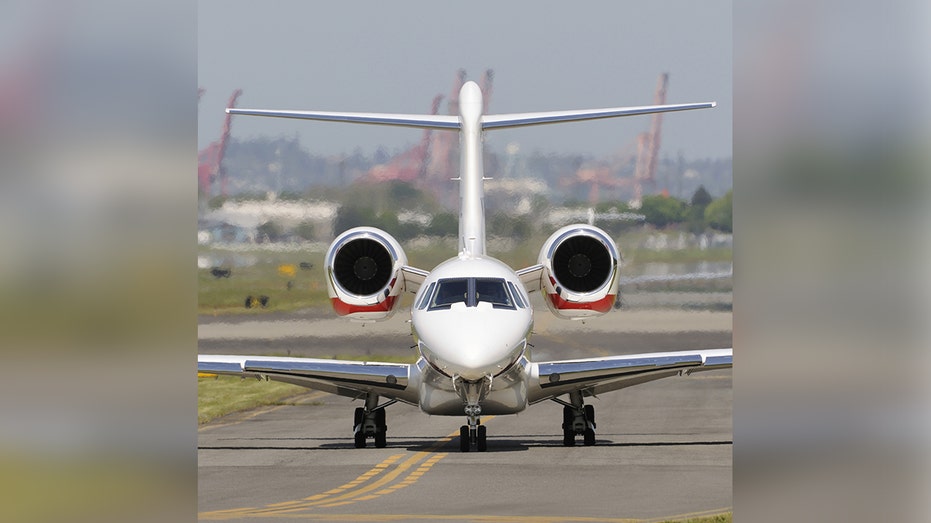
[
  {"x": 363, "y": 274},
  {"x": 580, "y": 271}
]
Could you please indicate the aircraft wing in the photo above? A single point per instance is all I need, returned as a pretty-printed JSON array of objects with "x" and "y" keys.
[
  {"x": 413, "y": 278},
  {"x": 345, "y": 378},
  {"x": 530, "y": 277},
  {"x": 594, "y": 376}
]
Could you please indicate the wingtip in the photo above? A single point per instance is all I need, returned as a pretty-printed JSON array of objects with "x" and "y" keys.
[{"x": 713, "y": 104}]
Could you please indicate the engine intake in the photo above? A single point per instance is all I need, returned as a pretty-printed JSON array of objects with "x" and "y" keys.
[
  {"x": 363, "y": 267},
  {"x": 580, "y": 264}
]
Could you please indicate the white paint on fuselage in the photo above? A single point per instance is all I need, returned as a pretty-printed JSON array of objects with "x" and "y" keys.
[{"x": 472, "y": 342}]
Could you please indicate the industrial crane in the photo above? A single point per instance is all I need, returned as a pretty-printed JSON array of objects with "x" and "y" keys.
[
  {"x": 411, "y": 165},
  {"x": 210, "y": 158}
]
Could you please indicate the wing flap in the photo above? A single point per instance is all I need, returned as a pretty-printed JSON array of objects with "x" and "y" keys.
[{"x": 598, "y": 375}]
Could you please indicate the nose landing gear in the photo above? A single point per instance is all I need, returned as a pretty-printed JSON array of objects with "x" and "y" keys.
[
  {"x": 472, "y": 393},
  {"x": 473, "y": 434}
]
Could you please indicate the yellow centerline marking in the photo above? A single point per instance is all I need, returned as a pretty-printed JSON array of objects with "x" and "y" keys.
[{"x": 364, "y": 488}]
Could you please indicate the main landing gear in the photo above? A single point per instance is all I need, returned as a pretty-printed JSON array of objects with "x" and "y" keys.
[
  {"x": 369, "y": 422},
  {"x": 577, "y": 419}
]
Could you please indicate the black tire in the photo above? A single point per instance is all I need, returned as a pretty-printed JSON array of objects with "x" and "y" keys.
[
  {"x": 568, "y": 437},
  {"x": 590, "y": 414},
  {"x": 380, "y": 418},
  {"x": 589, "y": 437},
  {"x": 481, "y": 442},
  {"x": 360, "y": 440},
  {"x": 464, "y": 443},
  {"x": 381, "y": 439},
  {"x": 568, "y": 415},
  {"x": 357, "y": 418}
]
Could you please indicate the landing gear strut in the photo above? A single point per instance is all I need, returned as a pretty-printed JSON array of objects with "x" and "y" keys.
[
  {"x": 369, "y": 422},
  {"x": 577, "y": 419},
  {"x": 473, "y": 433}
]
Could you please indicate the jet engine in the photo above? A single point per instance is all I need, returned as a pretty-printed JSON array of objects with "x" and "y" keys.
[
  {"x": 580, "y": 271},
  {"x": 363, "y": 274}
]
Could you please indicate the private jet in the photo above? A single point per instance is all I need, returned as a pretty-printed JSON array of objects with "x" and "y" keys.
[{"x": 471, "y": 318}]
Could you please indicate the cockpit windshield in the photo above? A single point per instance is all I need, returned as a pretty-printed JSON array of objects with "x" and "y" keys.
[{"x": 471, "y": 291}]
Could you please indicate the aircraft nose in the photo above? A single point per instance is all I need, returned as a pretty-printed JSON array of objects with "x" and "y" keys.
[{"x": 473, "y": 347}]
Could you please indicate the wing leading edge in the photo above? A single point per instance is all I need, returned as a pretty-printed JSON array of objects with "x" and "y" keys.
[
  {"x": 594, "y": 376},
  {"x": 345, "y": 378}
]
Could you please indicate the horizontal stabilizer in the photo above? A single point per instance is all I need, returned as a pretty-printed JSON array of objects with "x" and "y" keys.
[
  {"x": 494, "y": 121},
  {"x": 501, "y": 121},
  {"x": 431, "y": 121}
]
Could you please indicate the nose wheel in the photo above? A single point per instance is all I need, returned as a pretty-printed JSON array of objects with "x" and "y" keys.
[
  {"x": 472, "y": 437},
  {"x": 473, "y": 434}
]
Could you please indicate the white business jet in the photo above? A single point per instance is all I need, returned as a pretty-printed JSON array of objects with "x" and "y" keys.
[{"x": 471, "y": 317}]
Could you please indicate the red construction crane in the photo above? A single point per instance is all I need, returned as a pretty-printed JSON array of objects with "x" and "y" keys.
[
  {"x": 486, "y": 83},
  {"x": 210, "y": 158},
  {"x": 647, "y": 145},
  {"x": 441, "y": 168},
  {"x": 411, "y": 165},
  {"x": 649, "y": 142}
]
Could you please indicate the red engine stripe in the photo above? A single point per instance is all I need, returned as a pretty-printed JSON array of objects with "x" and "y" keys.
[
  {"x": 342, "y": 308},
  {"x": 602, "y": 305}
]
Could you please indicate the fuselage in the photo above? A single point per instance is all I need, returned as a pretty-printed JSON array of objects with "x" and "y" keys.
[
  {"x": 471, "y": 321},
  {"x": 471, "y": 318}
]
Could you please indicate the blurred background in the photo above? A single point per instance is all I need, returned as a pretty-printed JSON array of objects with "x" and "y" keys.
[{"x": 108, "y": 109}]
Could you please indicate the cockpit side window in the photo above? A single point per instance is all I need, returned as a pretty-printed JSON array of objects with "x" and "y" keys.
[
  {"x": 450, "y": 291},
  {"x": 516, "y": 294},
  {"x": 426, "y": 297}
]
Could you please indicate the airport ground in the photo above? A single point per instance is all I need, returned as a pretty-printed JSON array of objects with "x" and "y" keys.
[{"x": 663, "y": 449}]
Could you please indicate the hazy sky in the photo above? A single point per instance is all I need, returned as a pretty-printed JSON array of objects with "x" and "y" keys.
[{"x": 396, "y": 56}]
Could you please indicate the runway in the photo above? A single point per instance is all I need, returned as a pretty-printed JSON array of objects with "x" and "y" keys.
[{"x": 663, "y": 449}]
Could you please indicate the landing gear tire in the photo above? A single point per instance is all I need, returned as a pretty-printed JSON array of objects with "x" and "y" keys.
[
  {"x": 481, "y": 442},
  {"x": 464, "y": 441},
  {"x": 589, "y": 437},
  {"x": 360, "y": 440},
  {"x": 590, "y": 414},
  {"x": 568, "y": 437},
  {"x": 381, "y": 438}
]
